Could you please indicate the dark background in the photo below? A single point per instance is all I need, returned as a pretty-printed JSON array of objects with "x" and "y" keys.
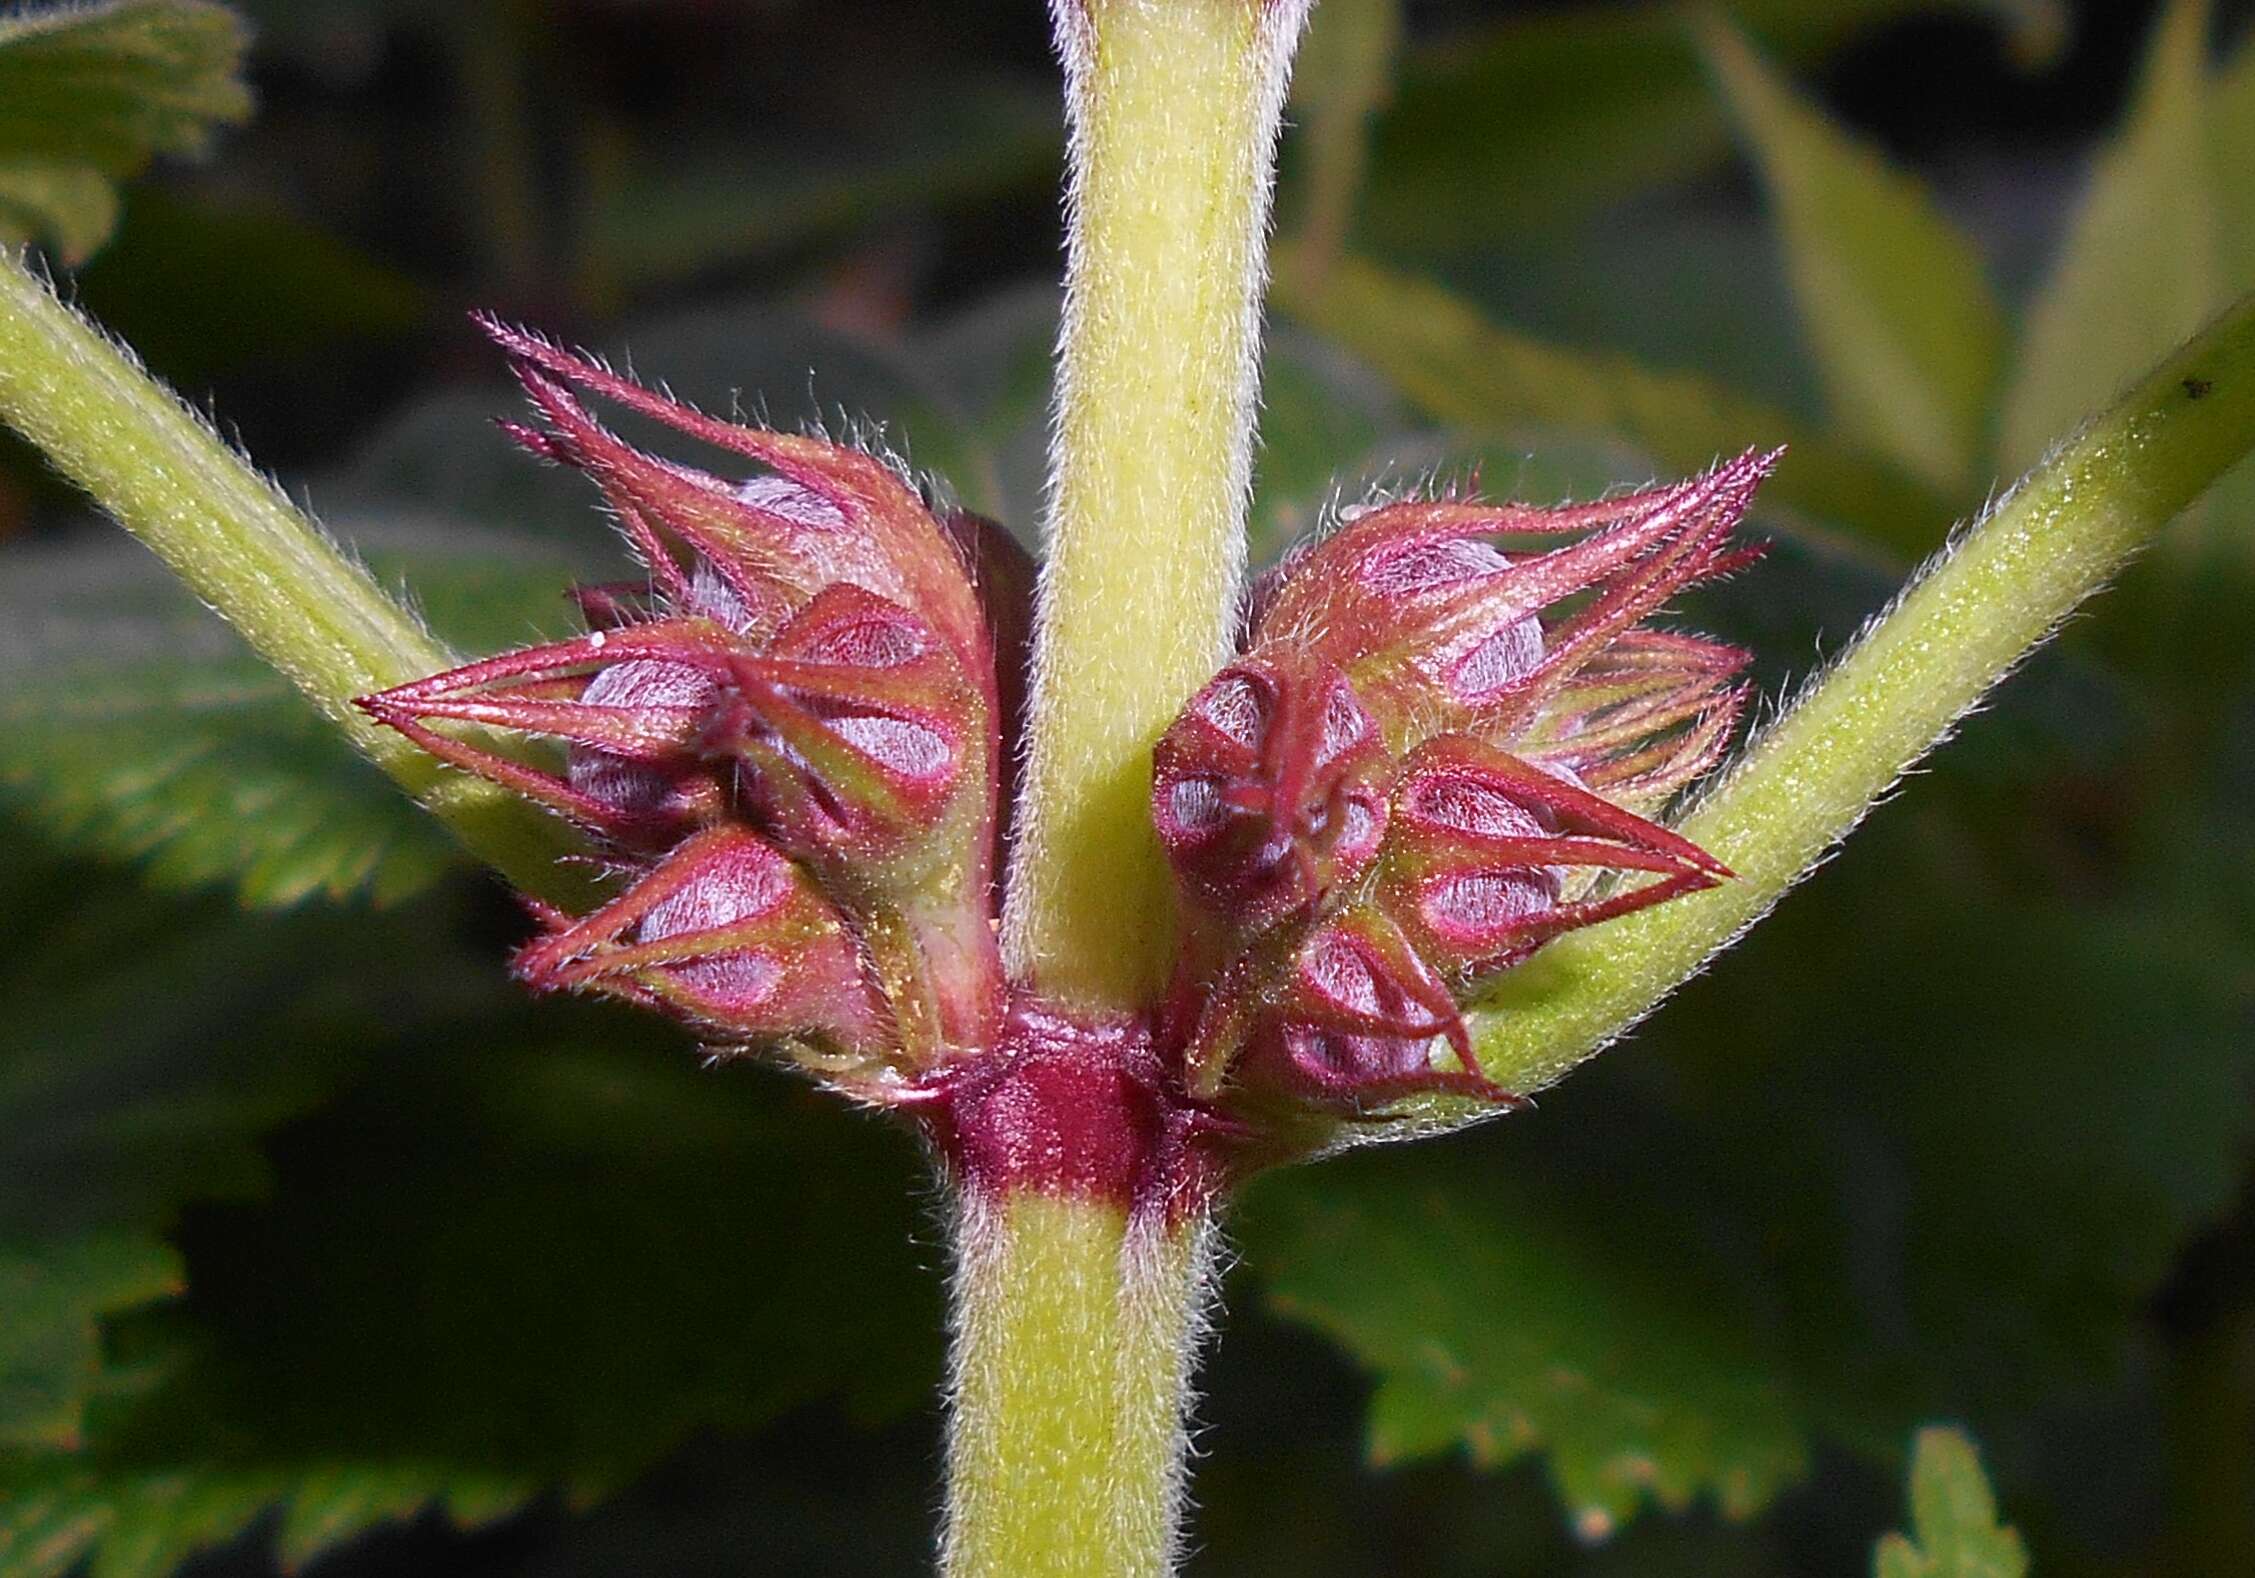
[{"x": 1962, "y": 1134}]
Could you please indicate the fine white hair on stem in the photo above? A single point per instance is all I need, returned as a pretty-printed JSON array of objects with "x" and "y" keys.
[
  {"x": 1173, "y": 111},
  {"x": 2000, "y": 588}
]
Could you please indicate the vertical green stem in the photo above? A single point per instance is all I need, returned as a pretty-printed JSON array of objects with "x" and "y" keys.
[
  {"x": 1076, "y": 1332},
  {"x": 1077, "y": 1325},
  {"x": 248, "y": 552},
  {"x": 1174, "y": 107}
]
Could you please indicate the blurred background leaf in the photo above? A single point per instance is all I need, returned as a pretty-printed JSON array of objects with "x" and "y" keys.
[
  {"x": 1471, "y": 374},
  {"x": 2139, "y": 268},
  {"x": 89, "y": 93},
  {"x": 1955, "y": 1518},
  {"x": 1552, "y": 114},
  {"x": 1904, "y": 329},
  {"x": 134, "y": 724}
]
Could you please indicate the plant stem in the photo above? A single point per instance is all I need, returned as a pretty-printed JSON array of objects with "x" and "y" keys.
[
  {"x": 243, "y": 548},
  {"x": 1964, "y": 622},
  {"x": 1174, "y": 107},
  {"x": 1076, "y": 1329}
]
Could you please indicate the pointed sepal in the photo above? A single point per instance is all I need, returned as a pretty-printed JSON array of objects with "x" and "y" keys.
[
  {"x": 727, "y": 933},
  {"x": 1489, "y": 856}
]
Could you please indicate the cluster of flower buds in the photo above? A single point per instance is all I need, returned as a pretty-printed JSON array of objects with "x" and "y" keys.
[
  {"x": 1439, "y": 748},
  {"x": 785, "y": 742}
]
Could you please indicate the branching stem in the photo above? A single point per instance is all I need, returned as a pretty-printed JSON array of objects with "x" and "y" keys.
[
  {"x": 1976, "y": 610},
  {"x": 1077, "y": 1321},
  {"x": 243, "y": 548}
]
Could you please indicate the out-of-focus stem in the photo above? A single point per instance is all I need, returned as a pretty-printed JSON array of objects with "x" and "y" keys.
[
  {"x": 1174, "y": 107},
  {"x": 1343, "y": 79}
]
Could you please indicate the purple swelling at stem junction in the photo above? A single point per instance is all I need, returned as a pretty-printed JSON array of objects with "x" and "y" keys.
[{"x": 1440, "y": 746}]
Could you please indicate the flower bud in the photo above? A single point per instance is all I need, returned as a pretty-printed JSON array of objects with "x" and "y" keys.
[
  {"x": 1266, "y": 791},
  {"x": 787, "y": 739},
  {"x": 726, "y": 933},
  {"x": 1437, "y": 753}
]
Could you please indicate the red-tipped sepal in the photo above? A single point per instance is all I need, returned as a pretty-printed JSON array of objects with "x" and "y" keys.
[
  {"x": 858, "y": 726},
  {"x": 1359, "y": 1021},
  {"x": 1437, "y": 626},
  {"x": 1488, "y": 856},
  {"x": 819, "y": 514},
  {"x": 727, "y": 933},
  {"x": 629, "y": 703}
]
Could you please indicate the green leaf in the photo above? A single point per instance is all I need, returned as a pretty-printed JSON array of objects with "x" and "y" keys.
[
  {"x": 50, "y": 1344},
  {"x": 89, "y": 92},
  {"x": 667, "y": 212},
  {"x": 1473, "y": 374},
  {"x": 1808, "y": 1186},
  {"x": 1954, "y": 1516},
  {"x": 1934, "y": 1098},
  {"x": 118, "y": 1115},
  {"x": 2140, "y": 269},
  {"x": 501, "y": 1262},
  {"x": 134, "y": 724},
  {"x": 1508, "y": 1320},
  {"x": 72, "y": 205},
  {"x": 535, "y": 1264},
  {"x": 1907, "y": 333},
  {"x": 1540, "y": 120},
  {"x": 53, "y": 1516}
]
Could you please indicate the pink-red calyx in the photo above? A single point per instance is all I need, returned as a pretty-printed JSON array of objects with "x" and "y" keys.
[
  {"x": 1441, "y": 745},
  {"x": 1440, "y": 748},
  {"x": 786, "y": 742}
]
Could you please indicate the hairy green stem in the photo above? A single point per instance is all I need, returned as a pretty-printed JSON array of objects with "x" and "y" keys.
[
  {"x": 243, "y": 548},
  {"x": 1174, "y": 107},
  {"x": 1076, "y": 1332},
  {"x": 1978, "y": 608},
  {"x": 1075, "y": 1326}
]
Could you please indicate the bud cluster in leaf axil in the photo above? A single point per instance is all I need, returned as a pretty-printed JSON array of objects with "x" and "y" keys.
[
  {"x": 787, "y": 741},
  {"x": 1440, "y": 748},
  {"x": 1442, "y": 744}
]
